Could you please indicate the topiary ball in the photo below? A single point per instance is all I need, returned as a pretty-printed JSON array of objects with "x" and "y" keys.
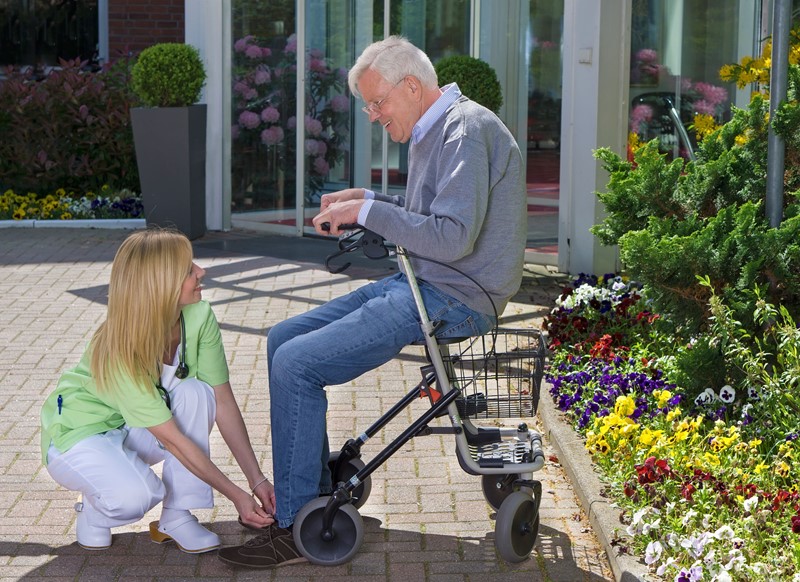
[
  {"x": 168, "y": 75},
  {"x": 476, "y": 79}
]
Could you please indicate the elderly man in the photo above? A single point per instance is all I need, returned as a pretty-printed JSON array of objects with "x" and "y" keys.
[{"x": 464, "y": 217}]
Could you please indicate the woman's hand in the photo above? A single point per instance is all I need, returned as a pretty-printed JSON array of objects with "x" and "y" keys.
[
  {"x": 265, "y": 492},
  {"x": 251, "y": 512}
]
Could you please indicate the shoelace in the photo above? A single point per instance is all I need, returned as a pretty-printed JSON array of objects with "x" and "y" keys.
[{"x": 260, "y": 539}]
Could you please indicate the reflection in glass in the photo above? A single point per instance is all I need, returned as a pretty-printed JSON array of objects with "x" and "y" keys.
[
  {"x": 264, "y": 117},
  {"x": 676, "y": 93}
]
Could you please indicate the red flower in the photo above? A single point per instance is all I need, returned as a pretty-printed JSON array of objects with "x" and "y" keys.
[{"x": 796, "y": 524}]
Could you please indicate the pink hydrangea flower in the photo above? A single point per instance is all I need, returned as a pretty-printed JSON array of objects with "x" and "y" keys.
[
  {"x": 711, "y": 93},
  {"x": 253, "y": 51},
  {"x": 270, "y": 115},
  {"x": 340, "y": 103},
  {"x": 291, "y": 44},
  {"x": 272, "y": 135},
  {"x": 647, "y": 56},
  {"x": 640, "y": 114},
  {"x": 321, "y": 167},
  {"x": 703, "y": 106},
  {"x": 262, "y": 77},
  {"x": 249, "y": 119},
  {"x": 316, "y": 147},
  {"x": 241, "y": 44},
  {"x": 313, "y": 126}
]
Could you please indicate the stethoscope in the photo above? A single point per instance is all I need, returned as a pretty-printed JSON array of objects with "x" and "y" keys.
[{"x": 182, "y": 371}]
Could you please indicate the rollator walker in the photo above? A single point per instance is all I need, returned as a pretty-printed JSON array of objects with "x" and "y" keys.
[{"x": 497, "y": 375}]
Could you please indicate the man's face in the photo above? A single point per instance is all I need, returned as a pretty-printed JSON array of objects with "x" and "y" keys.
[{"x": 393, "y": 106}]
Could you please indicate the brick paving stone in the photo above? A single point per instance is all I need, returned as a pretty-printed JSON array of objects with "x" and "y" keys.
[{"x": 425, "y": 520}]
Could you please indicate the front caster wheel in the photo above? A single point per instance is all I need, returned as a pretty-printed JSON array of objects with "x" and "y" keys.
[
  {"x": 361, "y": 493},
  {"x": 347, "y": 533},
  {"x": 517, "y": 527}
]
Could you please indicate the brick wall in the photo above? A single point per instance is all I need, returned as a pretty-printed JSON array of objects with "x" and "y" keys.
[{"x": 134, "y": 25}]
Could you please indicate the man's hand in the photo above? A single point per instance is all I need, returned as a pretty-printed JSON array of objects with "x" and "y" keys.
[
  {"x": 336, "y": 214},
  {"x": 340, "y": 196}
]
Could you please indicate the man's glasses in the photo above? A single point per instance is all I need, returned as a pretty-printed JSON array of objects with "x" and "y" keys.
[{"x": 374, "y": 108}]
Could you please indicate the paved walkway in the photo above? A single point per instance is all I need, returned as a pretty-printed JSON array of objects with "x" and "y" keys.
[{"x": 425, "y": 519}]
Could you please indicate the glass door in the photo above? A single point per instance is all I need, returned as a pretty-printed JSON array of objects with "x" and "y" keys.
[{"x": 545, "y": 35}]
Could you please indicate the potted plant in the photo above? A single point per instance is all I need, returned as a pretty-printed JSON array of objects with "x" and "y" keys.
[
  {"x": 476, "y": 79},
  {"x": 169, "y": 131}
]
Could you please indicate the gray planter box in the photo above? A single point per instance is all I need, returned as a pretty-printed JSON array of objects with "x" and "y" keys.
[{"x": 171, "y": 155}]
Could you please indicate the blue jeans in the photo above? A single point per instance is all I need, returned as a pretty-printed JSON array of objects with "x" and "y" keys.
[{"x": 333, "y": 344}]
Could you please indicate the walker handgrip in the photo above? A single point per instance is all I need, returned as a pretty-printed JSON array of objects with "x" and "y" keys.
[{"x": 326, "y": 226}]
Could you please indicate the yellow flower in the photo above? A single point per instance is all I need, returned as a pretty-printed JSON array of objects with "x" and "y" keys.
[
  {"x": 741, "y": 139},
  {"x": 65, "y": 216},
  {"x": 703, "y": 125},
  {"x": 663, "y": 397},
  {"x": 711, "y": 460},
  {"x": 19, "y": 213},
  {"x": 649, "y": 437},
  {"x": 674, "y": 413},
  {"x": 783, "y": 469},
  {"x": 727, "y": 72},
  {"x": 760, "y": 468},
  {"x": 624, "y": 406}
]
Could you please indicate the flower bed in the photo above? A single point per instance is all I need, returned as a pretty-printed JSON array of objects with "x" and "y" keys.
[
  {"x": 706, "y": 482},
  {"x": 63, "y": 205}
]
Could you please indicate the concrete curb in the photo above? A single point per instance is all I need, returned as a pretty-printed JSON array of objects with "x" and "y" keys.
[{"x": 577, "y": 463}]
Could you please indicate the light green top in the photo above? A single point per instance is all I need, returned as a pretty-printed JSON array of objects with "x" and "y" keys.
[{"x": 85, "y": 411}]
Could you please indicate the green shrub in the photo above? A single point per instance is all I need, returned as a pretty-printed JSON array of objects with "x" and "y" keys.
[
  {"x": 476, "y": 79},
  {"x": 168, "y": 75},
  {"x": 675, "y": 222},
  {"x": 70, "y": 129}
]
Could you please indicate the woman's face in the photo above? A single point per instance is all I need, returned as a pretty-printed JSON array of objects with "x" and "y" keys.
[{"x": 191, "y": 290}]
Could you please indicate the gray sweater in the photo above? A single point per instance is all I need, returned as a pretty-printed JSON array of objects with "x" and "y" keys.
[{"x": 465, "y": 206}]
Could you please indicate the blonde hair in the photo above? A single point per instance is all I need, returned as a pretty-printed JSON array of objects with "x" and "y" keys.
[{"x": 146, "y": 278}]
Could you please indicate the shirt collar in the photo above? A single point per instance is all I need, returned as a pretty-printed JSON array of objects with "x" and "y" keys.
[{"x": 450, "y": 93}]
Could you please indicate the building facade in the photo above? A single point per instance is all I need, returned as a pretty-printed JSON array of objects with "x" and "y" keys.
[{"x": 576, "y": 75}]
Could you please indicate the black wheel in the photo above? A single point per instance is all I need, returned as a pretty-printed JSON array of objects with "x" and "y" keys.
[
  {"x": 517, "y": 527},
  {"x": 497, "y": 487},
  {"x": 347, "y": 530},
  {"x": 361, "y": 493}
]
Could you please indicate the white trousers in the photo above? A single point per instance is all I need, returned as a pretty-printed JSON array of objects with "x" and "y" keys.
[{"x": 112, "y": 470}]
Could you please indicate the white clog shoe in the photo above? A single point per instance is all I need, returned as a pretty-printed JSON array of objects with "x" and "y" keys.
[
  {"x": 90, "y": 537},
  {"x": 187, "y": 533}
]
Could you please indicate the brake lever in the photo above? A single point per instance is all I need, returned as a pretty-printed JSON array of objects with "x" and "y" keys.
[{"x": 372, "y": 245}]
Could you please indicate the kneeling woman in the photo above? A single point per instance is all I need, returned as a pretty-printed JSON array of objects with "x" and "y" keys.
[{"x": 149, "y": 387}]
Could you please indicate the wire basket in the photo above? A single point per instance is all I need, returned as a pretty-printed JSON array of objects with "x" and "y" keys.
[{"x": 499, "y": 377}]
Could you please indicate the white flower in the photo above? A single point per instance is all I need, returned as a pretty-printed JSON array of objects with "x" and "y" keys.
[
  {"x": 652, "y": 553},
  {"x": 706, "y": 397},
  {"x": 750, "y": 504},
  {"x": 752, "y": 393},
  {"x": 662, "y": 569},
  {"x": 724, "y": 533},
  {"x": 727, "y": 394}
]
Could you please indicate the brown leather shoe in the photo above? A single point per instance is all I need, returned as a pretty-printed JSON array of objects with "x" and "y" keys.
[{"x": 274, "y": 548}]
